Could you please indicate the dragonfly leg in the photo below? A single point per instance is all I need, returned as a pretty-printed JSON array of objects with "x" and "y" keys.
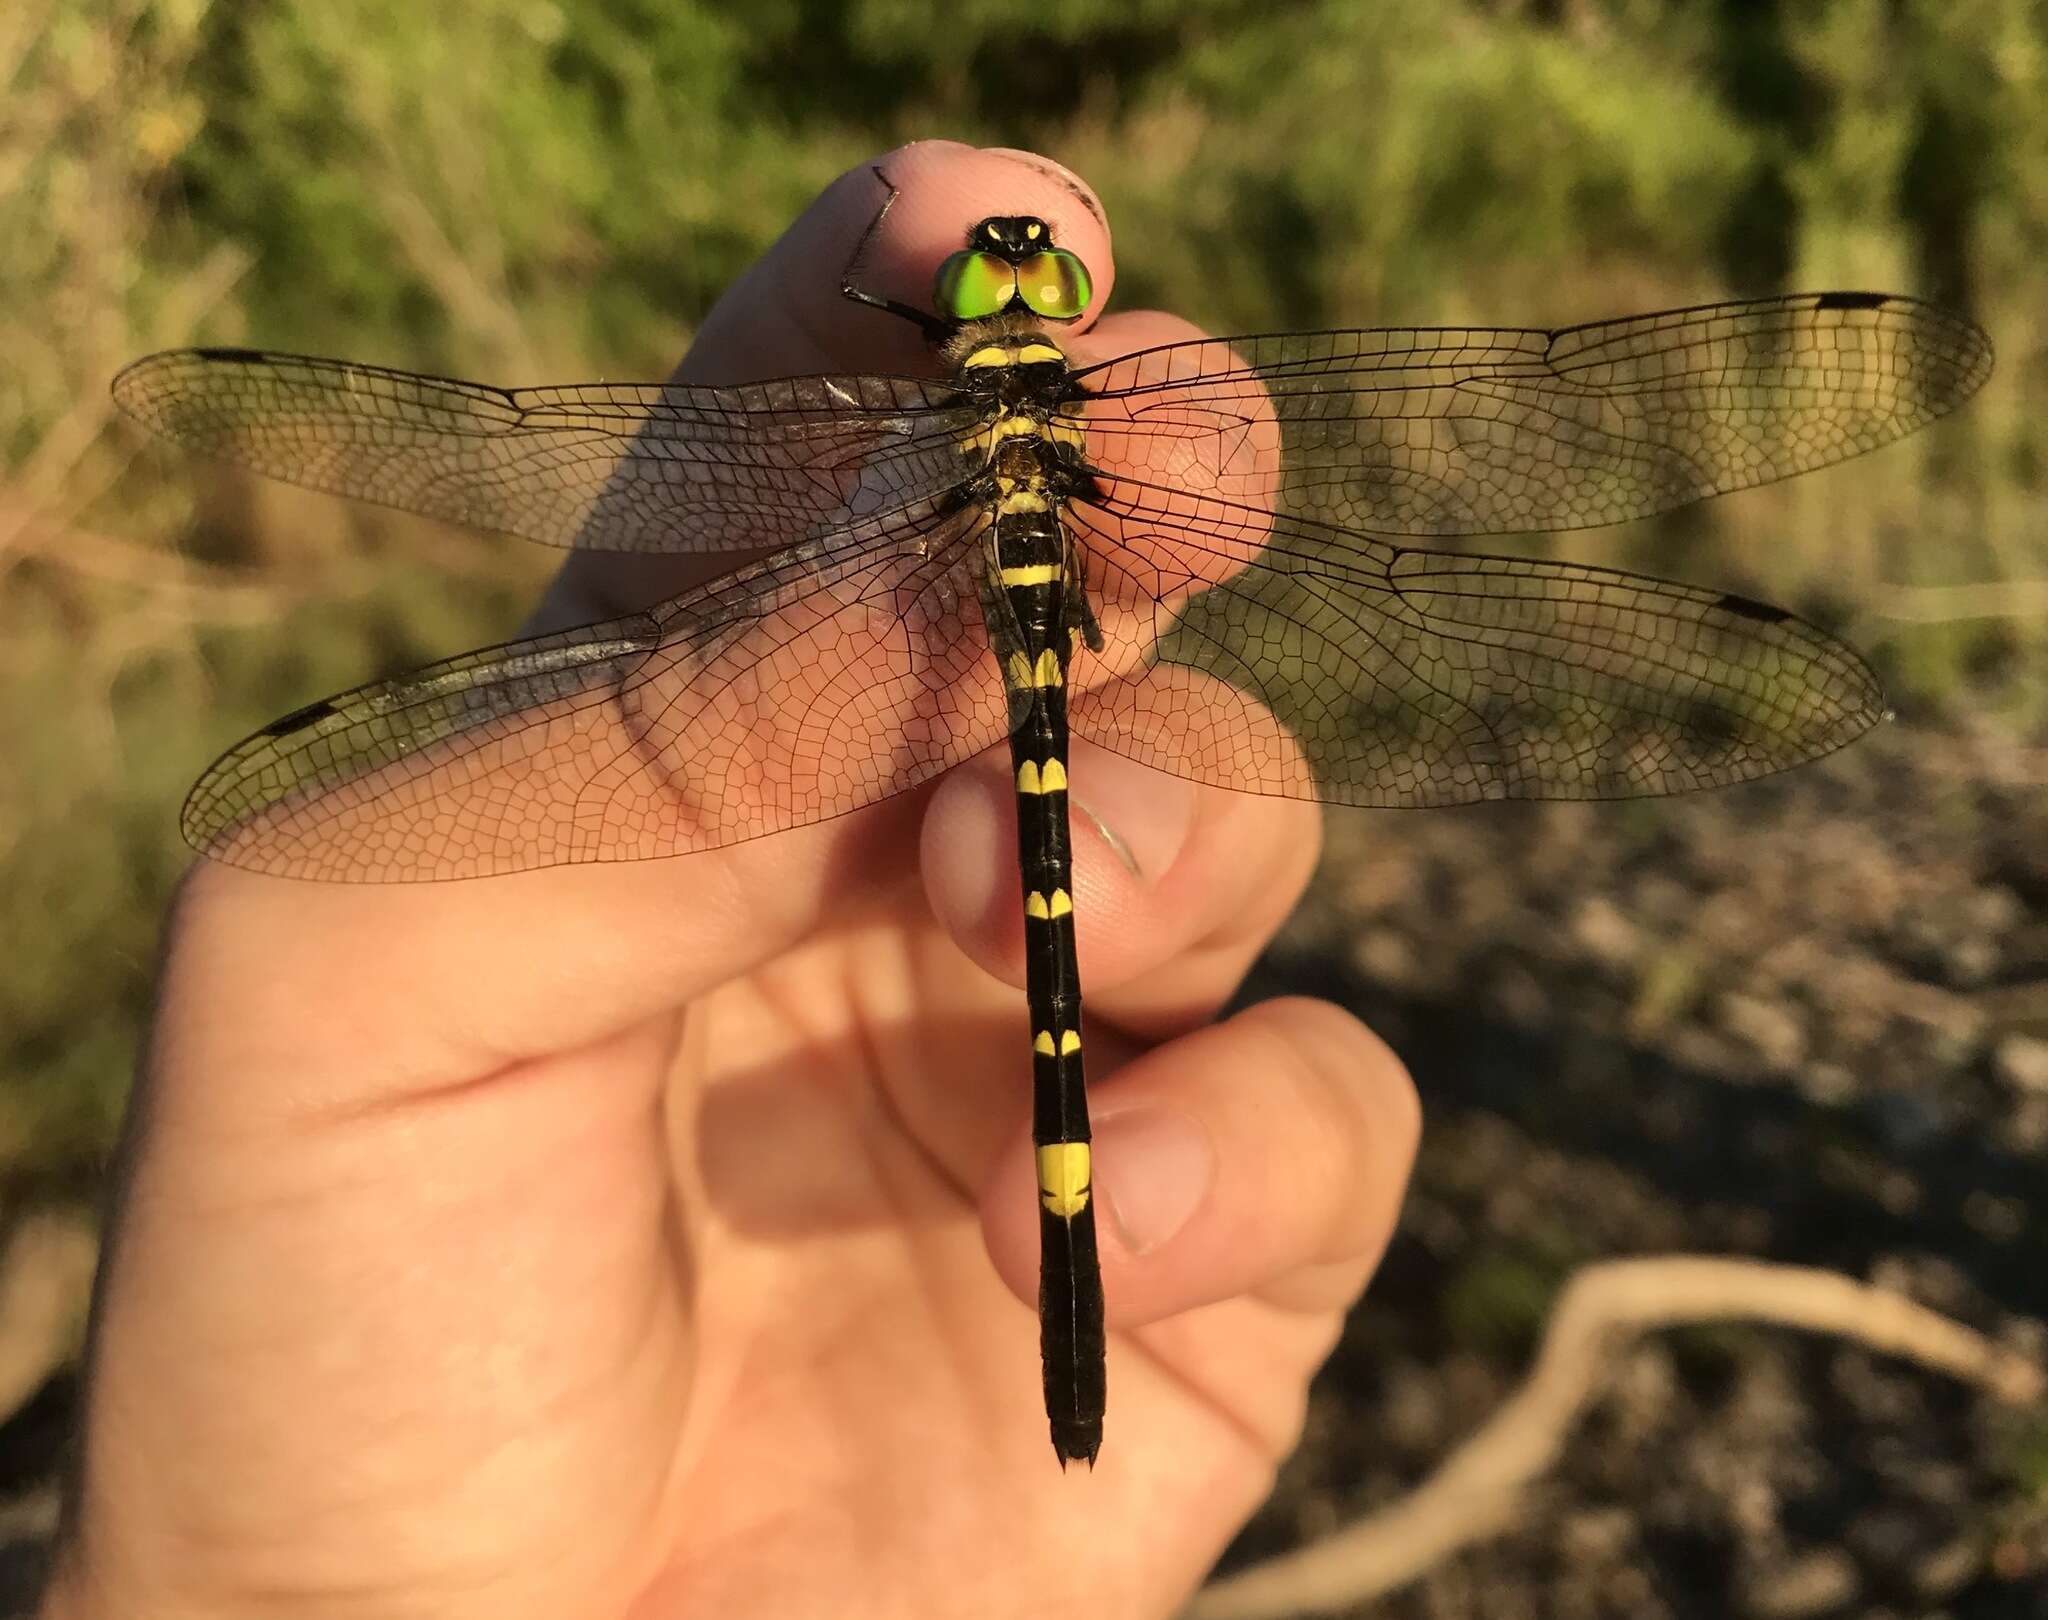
[
  {"x": 1005, "y": 635},
  {"x": 934, "y": 329},
  {"x": 1081, "y": 618}
]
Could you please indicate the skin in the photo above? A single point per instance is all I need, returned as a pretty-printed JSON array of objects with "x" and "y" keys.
[{"x": 659, "y": 1239}]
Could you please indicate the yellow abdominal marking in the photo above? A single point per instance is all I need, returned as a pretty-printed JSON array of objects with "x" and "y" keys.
[
  {"x": 1023, "y": 500},
  {"x": 1034, "y": 573},
  {"x": 1020, "y": 674},
  {"x": 1032, "y": 778},
  {"x": 1069, "y": 1043},
  {"x": 1037, "y": 905},
  {"x": 1063, "y": 1176}
]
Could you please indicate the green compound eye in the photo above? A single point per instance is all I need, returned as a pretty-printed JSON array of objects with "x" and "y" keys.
[
  {"x": 970, "y": 285},
  {"x": 1054, "y": 284}
]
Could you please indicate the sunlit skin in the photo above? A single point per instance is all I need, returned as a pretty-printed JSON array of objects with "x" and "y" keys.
[{"x": 660, "y": 1239}]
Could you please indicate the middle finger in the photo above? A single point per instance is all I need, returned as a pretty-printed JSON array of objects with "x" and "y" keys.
[{"x": 1177, "y": 887}]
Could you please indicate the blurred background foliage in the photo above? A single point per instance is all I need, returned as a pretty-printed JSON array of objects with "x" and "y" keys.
[{"x": 536, "y": 190}]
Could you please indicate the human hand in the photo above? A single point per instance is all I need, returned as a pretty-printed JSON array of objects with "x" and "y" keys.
[{"x": 660, "y": 1239}]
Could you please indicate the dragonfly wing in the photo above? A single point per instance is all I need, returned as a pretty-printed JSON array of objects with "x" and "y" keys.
[
  {"x": 668, "y": 468},
  {"x": 1462, "y": 431},
  {"x": 794, "y": 690},
  {"x": 1309, "y": 662}
]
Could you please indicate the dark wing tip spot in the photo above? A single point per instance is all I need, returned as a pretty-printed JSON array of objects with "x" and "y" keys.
[
  {"x": 1746, "y": 608},
  {"x": 1852, "y": 300},
  {"x": 299, "y": 719}
]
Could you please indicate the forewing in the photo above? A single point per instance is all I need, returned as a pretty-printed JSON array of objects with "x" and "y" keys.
[
  {"x": 1464, "y": 431},
  {"x": 784, "y": 694},
  {"x": 1300, "y": 660},
  {"x": 665, "y": 468}
]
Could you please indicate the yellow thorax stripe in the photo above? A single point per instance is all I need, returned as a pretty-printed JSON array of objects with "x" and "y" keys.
[
  {"x": 984, "y": 438},
  {"x": 1063, "y": 1178},
  {"x": 1037, "y": 905},
  {"x": 1031, "y": 354},
  {"x": 1034, "y": 778}
]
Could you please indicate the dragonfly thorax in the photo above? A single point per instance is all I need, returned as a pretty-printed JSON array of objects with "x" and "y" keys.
[
  {"x": 1006, "y": 355},
  {"x": 1022, "y": 379}
]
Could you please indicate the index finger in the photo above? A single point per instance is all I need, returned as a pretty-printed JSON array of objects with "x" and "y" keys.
[
  {"x": 885, "y": 225},
  {"x": 483, "y": 961},
  {"x": 786, "y": 316}
]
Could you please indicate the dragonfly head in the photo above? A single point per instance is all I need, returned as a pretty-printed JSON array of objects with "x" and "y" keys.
[{"x": 1009, "y": 259}]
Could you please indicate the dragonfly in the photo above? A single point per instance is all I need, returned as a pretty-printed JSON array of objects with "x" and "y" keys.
[{"x": 1200, "y": 555}]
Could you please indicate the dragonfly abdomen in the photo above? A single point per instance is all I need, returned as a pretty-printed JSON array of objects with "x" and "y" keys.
[
  {"x": 1026, "y": 603},
  {"x": 1032, "y": 578}
]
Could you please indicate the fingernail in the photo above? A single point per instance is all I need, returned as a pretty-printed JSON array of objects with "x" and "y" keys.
[
  {"x": 1153, "y": 1168},
  {"x": 1142, "y": 814}
]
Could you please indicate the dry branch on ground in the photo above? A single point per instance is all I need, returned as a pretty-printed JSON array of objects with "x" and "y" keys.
[{"x": 1478, "y": 1491}]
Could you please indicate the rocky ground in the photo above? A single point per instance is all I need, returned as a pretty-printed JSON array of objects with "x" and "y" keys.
[{"x": 1804, "y": 1020}]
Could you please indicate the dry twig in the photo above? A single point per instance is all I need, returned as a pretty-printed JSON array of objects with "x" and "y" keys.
[
  {"x": 45, "y": 1280},
  {"x": 1478, "y": 1491},
  {"x": 1945, "y": 604}
]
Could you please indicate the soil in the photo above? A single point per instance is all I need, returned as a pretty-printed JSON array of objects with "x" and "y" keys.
[{"x": 1804, "y": 1020}]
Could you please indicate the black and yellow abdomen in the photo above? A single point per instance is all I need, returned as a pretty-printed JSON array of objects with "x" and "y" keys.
[{"x": 1030, "y": 598}]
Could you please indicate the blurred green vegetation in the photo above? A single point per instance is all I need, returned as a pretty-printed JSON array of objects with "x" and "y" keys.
[{"x": 543, "y": 189}]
